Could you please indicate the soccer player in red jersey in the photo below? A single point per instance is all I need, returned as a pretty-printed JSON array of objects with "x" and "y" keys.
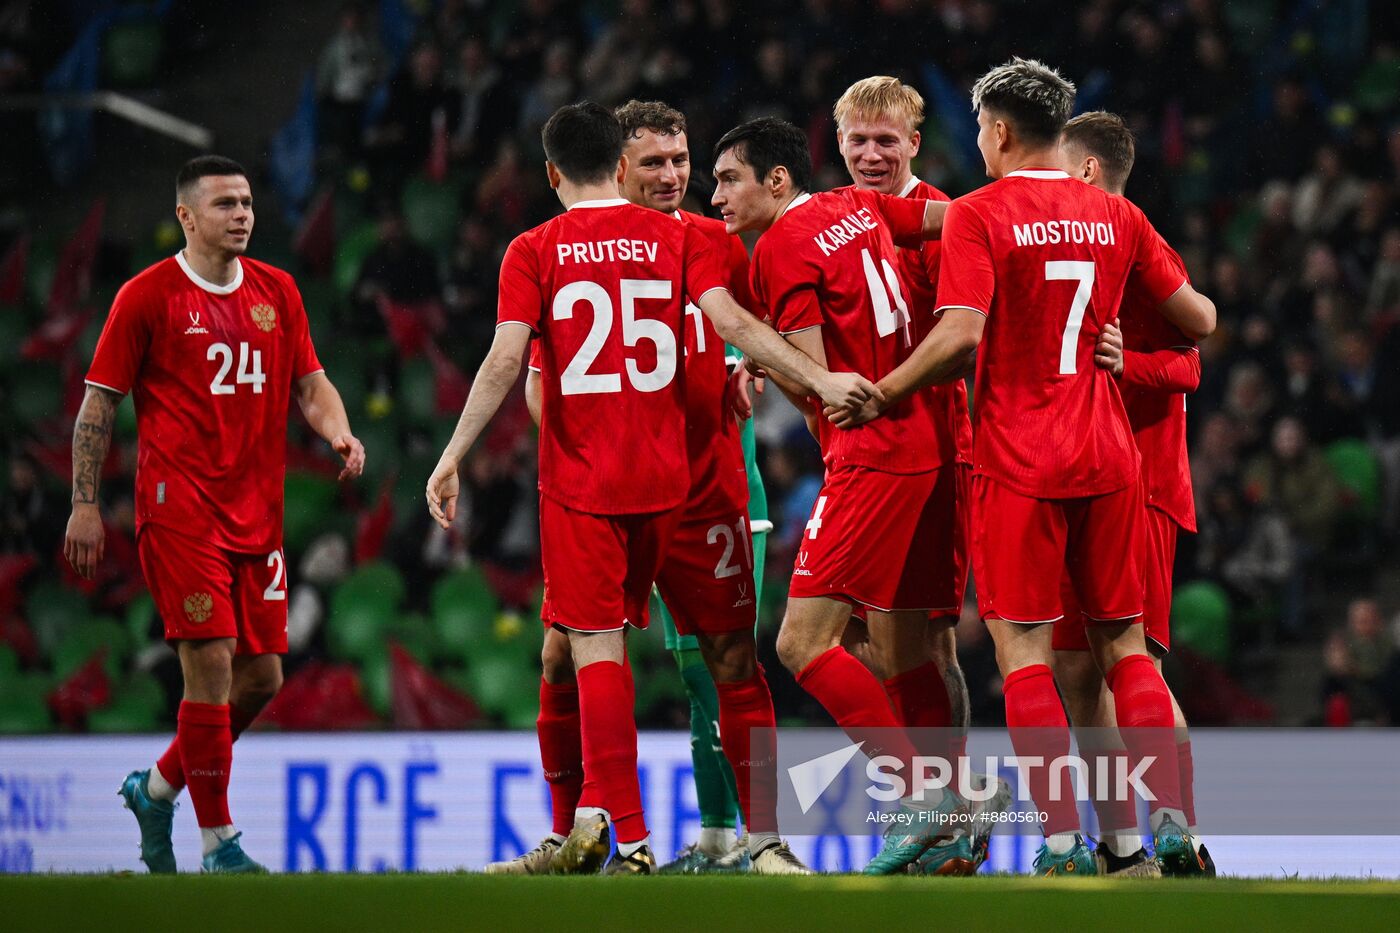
[
  {"x": 823, "y": 270},
  {"x": 707, "y": 581},
  {"x": 1033, "y": 266},
  {"x": 604, "y": 286},
  {"x": 212, "y": 345},
  {"x": 1156, "y": 366}
]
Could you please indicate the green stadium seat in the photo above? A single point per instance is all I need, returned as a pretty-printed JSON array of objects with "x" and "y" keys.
[
  {"x": 431, "y": 214},
  {"x": 377, "y": 680},
  {"x": 13, "y": 329},
  {"x": 23, "y": 712},
  {"x": 53, "y": 611},
  {"x": 308, "y": 504},
  {"x": 141, "y": 625},
  {"x": 36, "y": 393},
  {"x": 144, "y": 691},
  {"x": 358, "y": 631},
  {"x": 499, "y": 684},
  {"x": 1201, "y": 619},
  {"x": 9, "y": 663},
  {"x": 350, "y": 254},
  {"x": 86, "y": 640},
  {"x": 417, "y": 393},
  {"x": 464, "y": 612},
  {"x": 415, "y": 634},
  {"x": 375, "y": 583},
  {"x": 1359, "y": 471},
  {"x": 123, "y": 717},
  {"x": 132, "y": 53}
]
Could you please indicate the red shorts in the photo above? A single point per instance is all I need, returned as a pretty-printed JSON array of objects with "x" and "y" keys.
[
  {"x": 598, "y": 569},
  {"x": 203, "y": 591},
  {"x": 1159, "y": 559},
  {"x": 890, "y": 541},
  {"x": 1020, "y": 544},
  {"x": 707, "y": 579}
]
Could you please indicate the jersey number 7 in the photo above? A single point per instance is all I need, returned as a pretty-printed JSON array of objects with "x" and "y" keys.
[{"x": 1083, "y": 273}]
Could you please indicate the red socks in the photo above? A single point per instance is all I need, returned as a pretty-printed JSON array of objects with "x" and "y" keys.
[
  {"x": 169, "y": 763},
  {"x": 561, "y": 750},
  {"x": 1038, "y": 727},
  {"x": 919, "y": 698},
  {"x": 1186, "y": 772},
  {"x": 1145, "y": 720},
  {"x": 206, "y": 753},
  {"x": 609, "y": 732},
  {"x": 747, "y": 730},
  {"x": 854, "y": 698}
]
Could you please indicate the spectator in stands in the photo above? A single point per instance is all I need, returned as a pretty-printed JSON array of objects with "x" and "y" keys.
[
  {"x": 349, "y": 67},
  {"x": 554, "y": 88},
  {"x": 1244, "y": 546},
  {"x": 1294, "y": 477},
  {"x": 1327, "y": 196},
  {"x": 398, "y": 143},
  {"x": 485, "y": 110},
  {"x": 1383, "y": 296},
  {"x": 1361, "y": 662},
  {"x": 398, "y": 269},
  {"x": 31, "y": 514}
]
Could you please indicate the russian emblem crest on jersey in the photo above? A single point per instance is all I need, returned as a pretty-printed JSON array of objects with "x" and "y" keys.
[
  {"x": 265, "y": 316},
  {"x": 198, "y": 607}
]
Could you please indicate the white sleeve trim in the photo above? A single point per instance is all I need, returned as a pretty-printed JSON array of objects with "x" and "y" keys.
[
  {"x": 313, "y": 372},
  {"x": 101, "y": 386},
  {"x": 938, "y": 312},
  {"x": 534, "y": 369},
  {"x": 700, "y": 297},
  {"x": 521, "y": 323},
  {"x": 789, "y": 333}
]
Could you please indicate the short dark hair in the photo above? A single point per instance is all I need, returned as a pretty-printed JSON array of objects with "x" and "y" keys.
[
  {"x": 766, "y": 143},
  {"x": 203, "y": 167},
  {"x": 1034, "y": 98},
  {"x": 638, "y": 115},
  {"x": 583, "y": 141},
  {"x": 1106, "y": 137}
]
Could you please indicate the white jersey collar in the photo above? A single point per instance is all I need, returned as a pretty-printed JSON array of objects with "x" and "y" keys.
[
  {"x": 801, "y": 199},
  {"x": 1045, "y": 174},
  {"x": 909, "y": 186},
  {"x": 600, "y": 202},
  {"x": 207, "y": 285}
]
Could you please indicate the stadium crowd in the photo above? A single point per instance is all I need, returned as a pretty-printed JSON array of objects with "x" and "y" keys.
[{"x": 1268, "y": 154}]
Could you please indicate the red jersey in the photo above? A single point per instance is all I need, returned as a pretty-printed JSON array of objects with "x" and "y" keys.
[
  {"x": 604, "y": 285},
  {"x": 1154, "y": 398},
  {"x": 829, "y": 262},
  {"x": 918, "y": 270},
  {"x": 1046, "y": 257},
  {"x": 719, "y": 480},
  {"x": 210, "y": 369}
]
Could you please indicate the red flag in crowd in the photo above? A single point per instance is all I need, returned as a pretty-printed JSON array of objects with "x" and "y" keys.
[{"x": 422, "y": 701}]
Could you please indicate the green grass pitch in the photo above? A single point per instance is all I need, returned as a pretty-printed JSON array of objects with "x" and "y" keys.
[{"x": 426, "y": 902}]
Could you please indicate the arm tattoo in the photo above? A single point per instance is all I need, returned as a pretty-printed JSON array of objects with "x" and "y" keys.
[{"x": 92, "y": 435}]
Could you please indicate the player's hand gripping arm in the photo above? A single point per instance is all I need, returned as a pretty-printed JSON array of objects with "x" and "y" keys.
[
  {"x": 324, "y": 410},
  {"x": 941, "y": 357},
  {"x": 1175, "y": 369},
  {"x": 766, "y": 348},
  {"x": 92, "y": 436},
  {"x": 493, "y": 382}
]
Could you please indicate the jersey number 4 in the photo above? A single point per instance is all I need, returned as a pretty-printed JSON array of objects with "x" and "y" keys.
[
  {"x": 247, "y": 374},
  {"x": 889, "y": 317},
  {"x": 576, "y": 378},
  {"x": 1083, "y": 273}
]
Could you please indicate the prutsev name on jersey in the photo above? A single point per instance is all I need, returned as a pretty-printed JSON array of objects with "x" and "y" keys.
[{"x": 607, "y": 251}]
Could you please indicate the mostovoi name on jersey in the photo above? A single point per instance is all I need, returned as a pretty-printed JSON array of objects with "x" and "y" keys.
[
  {"x": 1095, "y": 233},
  {"x": 608, "y": 251}
]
